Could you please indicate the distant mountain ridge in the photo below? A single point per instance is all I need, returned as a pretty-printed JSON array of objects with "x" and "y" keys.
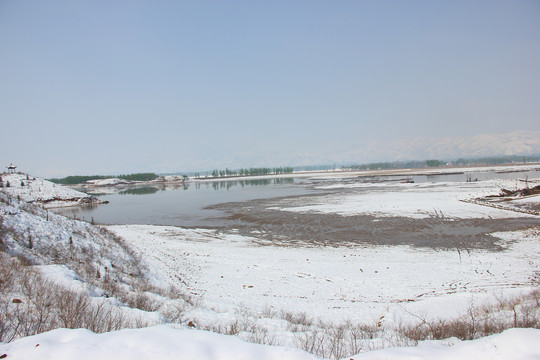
[
  {"x": 519, "y": 142},
  {"x": 483, "y": 145}
]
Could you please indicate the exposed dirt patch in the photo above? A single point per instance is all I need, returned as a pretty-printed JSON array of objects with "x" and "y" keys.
[{"x": 276, "y": 227}]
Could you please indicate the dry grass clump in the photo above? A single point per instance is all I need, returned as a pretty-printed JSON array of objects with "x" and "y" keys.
[
  {"x": 511, "y": 312},
  {"x": 336, "y": 341},
  {"x": 246, "y": 328},
  {"x": 324, "y": 339},
  {"x": 297, "y": 318},
  {"x": 30, "y": 304},
  {"x": 342, "y": 340}
]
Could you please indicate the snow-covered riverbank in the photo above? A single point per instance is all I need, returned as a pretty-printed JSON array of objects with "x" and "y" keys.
[{"x": 43, "y": 192}]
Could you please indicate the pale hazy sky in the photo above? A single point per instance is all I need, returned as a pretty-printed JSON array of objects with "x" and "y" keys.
[{"x": 126, "y": 86}]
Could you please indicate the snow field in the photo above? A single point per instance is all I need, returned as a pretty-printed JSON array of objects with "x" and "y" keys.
[
  {"x": 357, "y": 283},
  {"x": 422, "y": 200}
]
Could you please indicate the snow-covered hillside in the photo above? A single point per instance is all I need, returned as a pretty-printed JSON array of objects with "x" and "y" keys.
[
  {"x": 43, "y": 192},
  {"x": 66, "y": 255}
]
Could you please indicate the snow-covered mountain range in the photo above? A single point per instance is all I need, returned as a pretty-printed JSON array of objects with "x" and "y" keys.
[
  {"x": 422, "y": 148},
  {"x": 446, "y": 148}
]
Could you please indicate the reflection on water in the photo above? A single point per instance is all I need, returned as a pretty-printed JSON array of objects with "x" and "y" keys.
[
  {"x": 215, "y": 185},
  {"x": 181, "y": 204},
  {"x": 147, "y": 190},
  {"x": 227, "y": 185}
]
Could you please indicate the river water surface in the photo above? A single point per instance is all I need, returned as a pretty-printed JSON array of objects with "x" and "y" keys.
[
  {"x": 251, "y": 207},
  {"x": 187, "y": 205}
]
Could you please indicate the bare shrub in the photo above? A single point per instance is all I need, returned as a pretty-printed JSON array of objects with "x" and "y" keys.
[
  {"x": 535, "y": 296},
  {"x": 72, "y": 308},
  {"x": 437, "y": 330},
  {"x": 175, "y": 313},
  {"x": 176, "y": 293},
  {"x": 358, "y": 335},
  {"x": 142, "y": 301},
  {"x": 298, "y": 318},
  {"x": 510, "y": 312},
  {"x": 269, "y": 313},
  {"x": 341, "y": 340},
  {"x": 246, "y": 328},
  {"x": 337, "y": 344},
  {"x": 527, "y": 316},
  {"x": 312, "y": 342},
  {"x": 111, "y": 287},
  {"x": 3, "y": 232},
  {"x": 232, "y": 328},
  {"x": 492, "y": 326},
  {"x": 44, "y": 305},
  {"x": 29, "y": 314},
  {"x": 261, "y": 335},
  {"x": 6, "y": 332},
  {"x": 105, "y": 318},
  {"x": 8, "y": 272}
]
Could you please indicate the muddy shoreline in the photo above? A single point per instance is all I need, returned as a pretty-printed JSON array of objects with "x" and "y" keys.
[{"x": 274, "y": 227}]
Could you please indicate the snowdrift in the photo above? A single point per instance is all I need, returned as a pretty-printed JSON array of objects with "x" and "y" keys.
[{"x": 166, "y": 342}]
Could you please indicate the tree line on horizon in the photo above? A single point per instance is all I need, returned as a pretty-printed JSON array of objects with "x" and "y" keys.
[
  {"x": 247, "y": 172},
  {"x": 79, "y": 179},
  {"x": 497, "y": 160},
  {"x": 396, "y": 165},
  {"x": 216, "y": 173},
  {"x": 488, "y": 160}
]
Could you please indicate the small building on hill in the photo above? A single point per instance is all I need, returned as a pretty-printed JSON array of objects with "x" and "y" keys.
[{"x": 11, "y": 168}]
